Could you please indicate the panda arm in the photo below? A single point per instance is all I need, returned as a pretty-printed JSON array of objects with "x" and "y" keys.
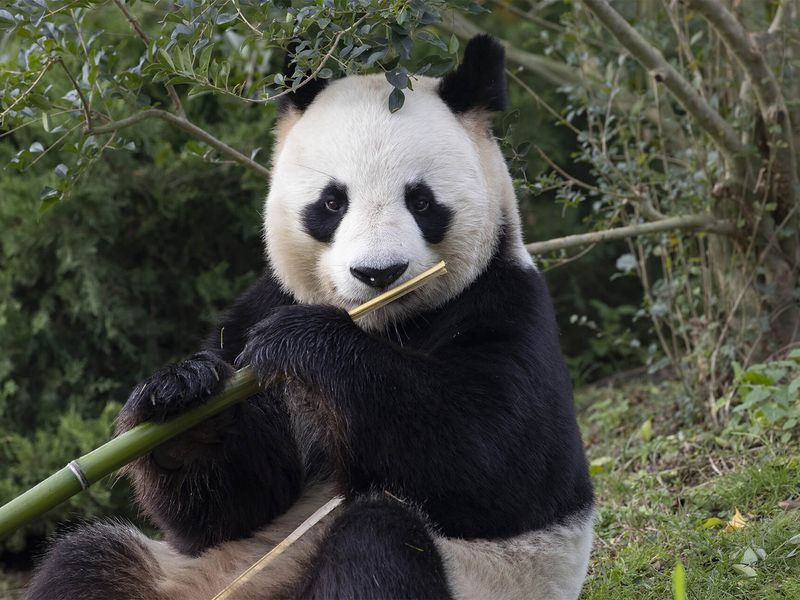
[
  {"x": 232, "y": 474},
  {"x": 461, "y": 430}
]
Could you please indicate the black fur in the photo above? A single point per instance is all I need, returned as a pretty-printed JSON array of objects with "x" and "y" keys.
[
  {"x": 230, "y": 475},
  {"x": 302, "y": 97},
  {"x": 319, "y": 220},
  {"x": 175, "y": 388},
  {"x": 97, "y": 562},
  {"x": 434, "y": 220},
  {"x": 469, "y": 414},
  {"x": 376, "y": 549},
  {"x": 479, "y": 83}
]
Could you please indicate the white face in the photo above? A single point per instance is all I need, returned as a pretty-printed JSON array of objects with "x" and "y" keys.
[{"x": 357, "y": 192}]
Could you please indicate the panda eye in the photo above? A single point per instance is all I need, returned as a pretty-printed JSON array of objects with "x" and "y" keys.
[
  {"x": 420, "y": 205},
  {"x": 333, "y": 204}
]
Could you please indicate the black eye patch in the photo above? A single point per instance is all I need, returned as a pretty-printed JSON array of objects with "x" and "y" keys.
[
  {"x": 322, "y": 217},
  {"x": 432, "y": 217}
]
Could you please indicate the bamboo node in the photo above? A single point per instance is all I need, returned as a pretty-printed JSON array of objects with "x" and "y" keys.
[{"x": 76, "y": 470}]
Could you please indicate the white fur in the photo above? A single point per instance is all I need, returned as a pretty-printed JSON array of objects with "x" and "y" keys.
[
  {"x": 348, "y": 134},
  {"x": 548, "y": 564},
  {"x": 181, "y": 577}
]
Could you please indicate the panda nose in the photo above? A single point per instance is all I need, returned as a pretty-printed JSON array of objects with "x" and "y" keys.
[{"x": 379, "y": 278}]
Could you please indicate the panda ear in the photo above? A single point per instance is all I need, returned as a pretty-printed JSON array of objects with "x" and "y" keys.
[
  {"x": 479, "y": 82},
  {"x": 302, "y": 97}
]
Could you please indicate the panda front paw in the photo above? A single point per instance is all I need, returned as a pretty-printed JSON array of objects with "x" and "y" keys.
[
  {"x": 174, "y": 389},
  {"x": 299, "y": 341}
]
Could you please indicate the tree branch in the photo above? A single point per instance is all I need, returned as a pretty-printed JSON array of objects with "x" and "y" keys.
[
  {"x": 137, "y": 27},
  {"x": 768, "y": 93},
  {"x": 190, "y": 128},
  {"x": 720, "y": 131},
  {"x": 693, "y": 222},
  {"x": 552, "y": 71},
  {"x": 87, "y": 111}
]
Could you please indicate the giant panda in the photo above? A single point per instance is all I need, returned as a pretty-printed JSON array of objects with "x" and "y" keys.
[{"x": 445, "y": 419}]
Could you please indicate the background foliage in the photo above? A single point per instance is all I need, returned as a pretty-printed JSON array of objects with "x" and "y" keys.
[{"x": 135, "y": 139}]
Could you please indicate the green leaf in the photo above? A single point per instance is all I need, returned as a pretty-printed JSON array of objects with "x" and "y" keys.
[
  {"x": 223, "y": 18},
  {"x": 745, "y": 570},
  {"x": 679, "y": 581},
  {"x": 712, "y": 522},
  {"x": 646, "y": 431},
  {"x": 600, "y": 464},
  {"x": 750, "y": 557},
  {"x": 396, "y": 100},
  {"x": 360, "y": 50},
  {"x": 205, "y": 59},
  {"x": 398, "y": 77},
  {"x": 433, "y": 40},
  {"x": 48, "y": 196},
  {"x": 375, "y": 57},
  {"x": 756, "y": 377},
  {"x": 165, "y": 57},
  {"x": 453, "y": 46},
  {"x": 794, "y": 389}
]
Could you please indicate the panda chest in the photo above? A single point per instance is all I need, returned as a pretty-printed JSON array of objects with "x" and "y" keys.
[{"x": 316, "y": 428}]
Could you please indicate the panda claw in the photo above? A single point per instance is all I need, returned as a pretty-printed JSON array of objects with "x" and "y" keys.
[{"x": 175, "y": 389}]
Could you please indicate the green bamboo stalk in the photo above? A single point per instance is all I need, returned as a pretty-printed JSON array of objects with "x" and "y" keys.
[
  {"x": 82, "y": 472},
  {"x": 117, "y": 453}
]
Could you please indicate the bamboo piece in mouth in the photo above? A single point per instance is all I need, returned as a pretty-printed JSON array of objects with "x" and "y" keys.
[{"x": 82, "y": 472}]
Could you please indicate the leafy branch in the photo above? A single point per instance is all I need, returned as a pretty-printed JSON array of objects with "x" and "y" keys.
[
  {"x": 184, "y": 125},
  {"x": 645, "y": 53},
  {"x": 768, "y": 93},
  {"x": 137, "y": 27}
]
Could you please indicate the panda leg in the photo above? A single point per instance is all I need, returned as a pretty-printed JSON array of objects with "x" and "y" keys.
[
  {"x": 97, "y": 562},
  {"x": 377, "y": 548}
]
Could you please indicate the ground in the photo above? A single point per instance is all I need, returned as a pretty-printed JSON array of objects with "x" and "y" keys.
[{"x": 668, "y": 487}]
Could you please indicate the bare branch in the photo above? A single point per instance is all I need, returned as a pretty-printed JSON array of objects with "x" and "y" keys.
[
  {"x": 780, "y": 15},
  {"x": 720, "y": 131},
  {"x": 692, "y": 222},
  {"x": 767, "y": 90},
  {"x": 190, "y": 128},
  {"x": 137, "y": 27}
]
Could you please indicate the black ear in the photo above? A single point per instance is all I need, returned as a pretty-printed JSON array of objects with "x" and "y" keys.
[
  {"x": 479, "y": 82},
  {"x": 301, "y": 98}
]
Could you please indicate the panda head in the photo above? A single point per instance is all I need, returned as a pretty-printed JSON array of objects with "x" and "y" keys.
[{"x": 362, "y": 199}]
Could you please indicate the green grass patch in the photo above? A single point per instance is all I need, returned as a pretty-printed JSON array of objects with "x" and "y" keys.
[{"x": 668, "y": 484}]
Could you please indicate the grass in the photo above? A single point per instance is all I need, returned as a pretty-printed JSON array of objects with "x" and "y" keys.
[{"x": 667, "y": 486}]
